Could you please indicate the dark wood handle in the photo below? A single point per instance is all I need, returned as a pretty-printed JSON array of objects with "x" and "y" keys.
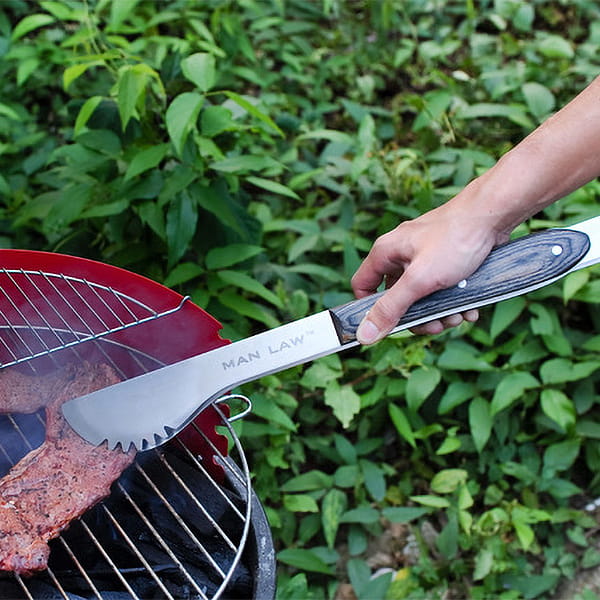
[{"x": 517, "y": 265}]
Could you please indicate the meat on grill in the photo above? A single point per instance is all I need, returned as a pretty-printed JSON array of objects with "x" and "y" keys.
[{"x": 58, "y": 481}]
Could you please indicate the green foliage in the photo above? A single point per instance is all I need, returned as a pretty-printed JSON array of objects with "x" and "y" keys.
[{"x": 248, "y": 154}]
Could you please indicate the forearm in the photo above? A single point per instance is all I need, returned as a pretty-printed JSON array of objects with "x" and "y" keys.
[{"x": 560, "y": 156}]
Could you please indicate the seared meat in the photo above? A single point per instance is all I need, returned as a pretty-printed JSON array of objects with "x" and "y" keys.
[
  {"x": 60, "y": 480},
  {"x": 21, "y": 393}
]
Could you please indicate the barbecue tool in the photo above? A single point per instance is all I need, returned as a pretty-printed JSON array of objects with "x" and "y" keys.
[{"x": 148, "y": 410}]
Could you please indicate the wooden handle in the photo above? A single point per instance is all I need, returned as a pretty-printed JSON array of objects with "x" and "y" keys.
[{"x": 521, "y": 264}]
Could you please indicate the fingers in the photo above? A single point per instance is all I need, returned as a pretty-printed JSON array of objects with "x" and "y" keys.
[{"x": 439, "y": 325}]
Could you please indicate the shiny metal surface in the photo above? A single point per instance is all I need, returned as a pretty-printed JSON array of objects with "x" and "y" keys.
[{"x": 148, "y": 410}]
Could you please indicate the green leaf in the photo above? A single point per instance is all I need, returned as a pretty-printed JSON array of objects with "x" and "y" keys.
[
  {"x": 524, "y": 17},
  {"x": 403, "y": 514},
  {"x": 573, "y": 282},
  {"x": 131, "y": 88},
  {"x": 447, "y": 540},
  {"x": 448, "y": 480},
  {"x": 421, "y": 383},
  {"x": 451, "y": 444},
  {"x": 484, "y": 562},
  {"x": 332, "y": 507},
  {"x": 344, "y": 401},
  {"x": 511, "y": 388},
  {"x": 540, "y": 100},
  {"x": 182, "y": 273},
  {"x": 364, "y": 584},
  {"x": 252, "y": 110},
  {"x": 200, "y": 69},
  {"x": 73, "y": 72},
  {"x": 107, "y": 210},
  {"x": 504, "y": 314},
  {"x": 374, "y": 479},
  {"x": 331, "y": 135},
  {"x": 562, "y": 370},
  {"x": 432, "y": 501},
  {"x": 58, "y": 9},
  {"x": 457, "y": 393},
  {"x": 480, "y": 422},
  {"x": 216, "y": 199},
  {"x": 181, "y": 226},
  {"x": 300, "y": 503},
  {"x": 29, "y": 24},
  {"x": 273, "y": 186},
  {"x": 181, "y": 117},
  {"x": 435, "y": 104},
  {"x": 555, "y": 46},
  {"x": 246, "y": 307},
  {"x": 119, "y": 11},
  {"x": 524, "y": 532},
  {"x": 245, "y": 163},
  {"x": 309, "y": 481},
  {"x": 151, "y": 214},
  {"x": 460, "y": 356},
  {"x": 305, "y": 560},
  {"x": 560, "y": 456},
  {"x": 321, "y": 372},
  {"x": 9, "y": 112},
  {"x": 145, "y": 160},
  {"x": 215, "y": 120},
  {"x": 542, "y": 323},
  {"x": 233, "y": 254},
  {"x": 265, "y": 407},
  {"x": 558, "y": 407},
  {"x": 250, "y": 284},
  {"x": 85, "y": 112},
  {"x": 401, "y": 424},
  {"x": 365, "y": 515},
  {"x": 513, "y": 112}
]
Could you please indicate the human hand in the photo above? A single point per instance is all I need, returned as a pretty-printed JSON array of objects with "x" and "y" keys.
[{"x": 432, "y": 252}]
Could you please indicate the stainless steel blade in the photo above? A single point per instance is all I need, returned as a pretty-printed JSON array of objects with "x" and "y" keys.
[
  {"x": 149, "y": 409},
  {"x": 591, "y": 227}
]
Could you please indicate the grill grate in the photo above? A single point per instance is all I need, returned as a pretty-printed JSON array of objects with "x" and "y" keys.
[
  {"x": 177, "y": 521},
  {"x": 42, "y": 313}
]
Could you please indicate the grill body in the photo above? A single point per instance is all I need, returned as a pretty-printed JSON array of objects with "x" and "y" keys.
[{"x": 177, "y": 522}]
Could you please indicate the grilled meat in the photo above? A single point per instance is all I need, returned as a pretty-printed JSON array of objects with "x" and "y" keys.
[{"x": 57, "y": 482}]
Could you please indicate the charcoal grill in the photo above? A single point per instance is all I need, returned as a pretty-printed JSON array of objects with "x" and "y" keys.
[{"x": 178, "y": 521}]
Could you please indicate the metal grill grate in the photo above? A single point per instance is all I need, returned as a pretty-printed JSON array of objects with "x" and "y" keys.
[
  {"x": 42, "y": 313},
  {"x": 176, "y": 522}
]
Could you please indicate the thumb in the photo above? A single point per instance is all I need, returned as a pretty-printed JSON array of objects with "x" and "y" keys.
[
  {"x": 389, "y": 309},
  {"x": 381, "y": 318}
]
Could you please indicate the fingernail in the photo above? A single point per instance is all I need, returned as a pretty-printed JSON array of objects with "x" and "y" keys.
[{"x": 367, "y": 332}]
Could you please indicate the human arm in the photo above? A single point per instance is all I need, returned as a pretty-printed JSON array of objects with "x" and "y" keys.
[{"x": 445, "y": 245}]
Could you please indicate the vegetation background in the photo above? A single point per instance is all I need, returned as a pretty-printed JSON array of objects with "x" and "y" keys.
[{"x": 248, "y": 153}]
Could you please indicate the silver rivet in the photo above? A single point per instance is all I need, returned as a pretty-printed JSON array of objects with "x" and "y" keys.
[
  {"x": 462, "y": 284},
  {"x": 557, "y": 250}
]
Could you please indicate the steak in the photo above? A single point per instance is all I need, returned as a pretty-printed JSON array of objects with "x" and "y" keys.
[{"x": 61, "y": 479}]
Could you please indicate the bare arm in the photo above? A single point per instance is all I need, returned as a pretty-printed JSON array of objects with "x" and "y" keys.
[{"x": 447, "y": 244}]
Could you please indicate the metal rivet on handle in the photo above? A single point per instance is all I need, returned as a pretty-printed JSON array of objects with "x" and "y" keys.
[
  {"x": 462, "y": 284},
  {"x": 557, "y": 250}
]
